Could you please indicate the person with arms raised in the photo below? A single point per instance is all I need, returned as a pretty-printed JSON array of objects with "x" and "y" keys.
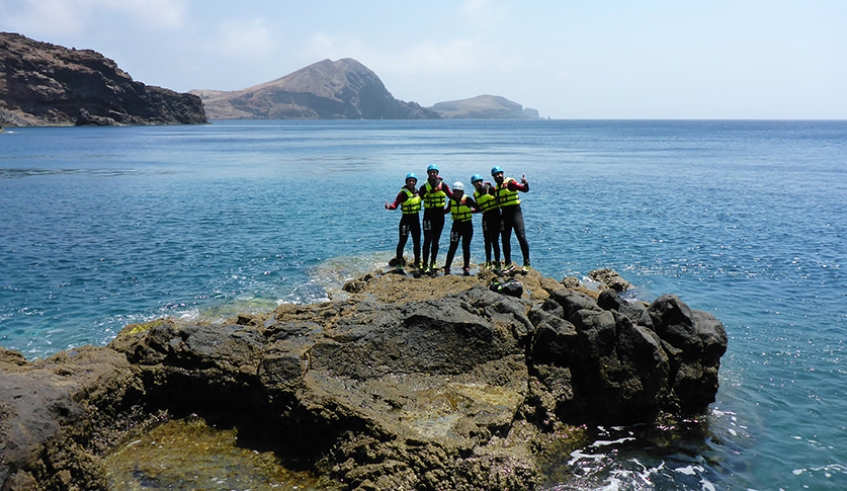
[{"x": 511, "y": 216}]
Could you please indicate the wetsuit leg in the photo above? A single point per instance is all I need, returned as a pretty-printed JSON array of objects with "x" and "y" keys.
[
  {"x": 415, "y": 229},
  {"x": 437, "y": 226},
  {"x": 486, "y": 237},
  {"x": 506, "y": 233},
  {"x": 492, "y": 218},
  {"x": 455, "y": 235},
  {"x": 404, "y": 236},
  {"x": 467, "y": 236},
  {"x": 427, "y": 234},
  {"x": 520, "y": 233}
]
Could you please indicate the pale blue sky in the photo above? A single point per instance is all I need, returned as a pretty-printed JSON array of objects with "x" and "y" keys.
[{"x": 674, "y": 59}]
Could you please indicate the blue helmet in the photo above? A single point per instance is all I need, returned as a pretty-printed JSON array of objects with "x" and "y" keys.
[
  {"x": 432, "y": 167},
  {"x": 411, "y": 175},
  {"x": 496, "y": 170},
  {"x": 475, "y": 178}
]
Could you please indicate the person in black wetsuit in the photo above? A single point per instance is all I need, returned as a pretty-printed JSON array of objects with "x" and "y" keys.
[
  {"x": 434, "y": 193},
  {"x": 511, "y": 217},
  {"x": 486, "y": 200},
  {"x": 461, "y": 207},
  {"x": 409, "y": 202}
]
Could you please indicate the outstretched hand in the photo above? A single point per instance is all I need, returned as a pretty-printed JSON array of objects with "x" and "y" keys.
[
  {"x": 523, "y": 178},
  {"x": 387, "y": 206}
]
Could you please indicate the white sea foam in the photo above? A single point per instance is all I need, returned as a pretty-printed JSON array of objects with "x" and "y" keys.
[
  {"x": 689, "y": 470},
  {"x": 605, "y": 443}
]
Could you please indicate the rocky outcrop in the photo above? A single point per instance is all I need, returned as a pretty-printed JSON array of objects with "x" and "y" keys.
[
  {"x": 484, "y": 107},
  {"x": 399, "y": 383},
  {"x": 343, "y": 89},
  {"x": 43, "y": 84},
  {"x": 58, "y": 415}
]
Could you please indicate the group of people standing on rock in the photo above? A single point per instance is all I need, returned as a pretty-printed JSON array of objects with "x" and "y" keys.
[{"x": 499, "y": 204}]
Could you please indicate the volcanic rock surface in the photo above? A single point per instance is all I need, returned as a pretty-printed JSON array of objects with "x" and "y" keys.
[{"x": 399, "y": 383}]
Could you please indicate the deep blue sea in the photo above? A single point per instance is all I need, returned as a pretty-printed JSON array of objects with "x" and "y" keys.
[{"x": 101, "y": 227}]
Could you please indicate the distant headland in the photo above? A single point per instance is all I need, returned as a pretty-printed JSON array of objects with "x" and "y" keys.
[
  {"x": 344, "y": 89},
  {"x": 43, "y": 84}
]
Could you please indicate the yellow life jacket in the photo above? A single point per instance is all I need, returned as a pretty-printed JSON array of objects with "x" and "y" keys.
[
  {"x": 433, "y": 198},
  {"x": 506, "y": 197},
  {"x": 460, "y": 211},
  {"x": 412, "y": 204},
  {"x": 485, "y": 201}
]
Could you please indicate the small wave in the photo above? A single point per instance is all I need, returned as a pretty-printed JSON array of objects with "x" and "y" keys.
[
  {"x": 615, "y": 460},
  {"x": 323, "y": 282},
  {"x": 331, "y": 275},
  {"x": 22, "y": 173},
  {"x": 827, "y": 471}
]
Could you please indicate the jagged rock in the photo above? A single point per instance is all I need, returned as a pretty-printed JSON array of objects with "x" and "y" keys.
[
  {"x": 573, "y": 301},
  {"x": 636, "y": 311},
  {"x": 610, "y": 278},
  {"x": 699, "y": 340},
  {"x": 58, "y": 414},
  {"x": 406, "y": 384},
  {"x": 571, "y": 282},
  {"x": 343, "y": 89},
  {"x": 43, "y": 84}
]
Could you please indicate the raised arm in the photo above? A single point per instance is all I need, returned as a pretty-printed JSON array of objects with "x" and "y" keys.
[
  {"x": 523, "y": 185},
  {"x": 401, "y": 197}
]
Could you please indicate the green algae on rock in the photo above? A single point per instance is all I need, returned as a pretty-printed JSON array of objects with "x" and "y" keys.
[{"x": 189, "y": 454}]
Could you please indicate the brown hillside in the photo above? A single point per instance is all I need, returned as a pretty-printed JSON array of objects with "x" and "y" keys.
[{"x": 343, "y": 89}]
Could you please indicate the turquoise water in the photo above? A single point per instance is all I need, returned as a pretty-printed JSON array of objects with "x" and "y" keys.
[{"x": 100, "y": 227}]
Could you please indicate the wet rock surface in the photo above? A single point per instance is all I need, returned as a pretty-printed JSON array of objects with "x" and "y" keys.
[
  {"x": 398, "y": 383},
  {"x": 158, "y": 459}
]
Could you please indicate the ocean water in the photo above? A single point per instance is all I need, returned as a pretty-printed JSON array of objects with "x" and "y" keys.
[{"x": 101, "y": 227}]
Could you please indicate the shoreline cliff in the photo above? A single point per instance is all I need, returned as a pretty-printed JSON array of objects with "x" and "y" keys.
[
  {"x": 42, "y": 84},
  {"x": 401, "y": 383}
]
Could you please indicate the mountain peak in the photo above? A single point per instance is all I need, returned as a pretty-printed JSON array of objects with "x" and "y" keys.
[
  {"x": 342, "y": 89},
  {"x": 327, "y": 78}
]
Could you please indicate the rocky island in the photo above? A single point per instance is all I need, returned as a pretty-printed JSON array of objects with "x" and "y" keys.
[
  {"x": 397, "y": 383},
  {"x": 42, "y": 84},
  {"x": 484, "y": 107}
]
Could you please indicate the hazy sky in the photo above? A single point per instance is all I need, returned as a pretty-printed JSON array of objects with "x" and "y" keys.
[{"x": 749, "y": 59}]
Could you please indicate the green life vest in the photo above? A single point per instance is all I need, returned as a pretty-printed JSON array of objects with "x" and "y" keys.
[
  {"x": 460, "y": 211},
  {"x": 485, "y": 201},
  {"x": 434, "y": 198},
  {"x": 506, "y": 197},
  {"x": 412, "y": 204}
]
